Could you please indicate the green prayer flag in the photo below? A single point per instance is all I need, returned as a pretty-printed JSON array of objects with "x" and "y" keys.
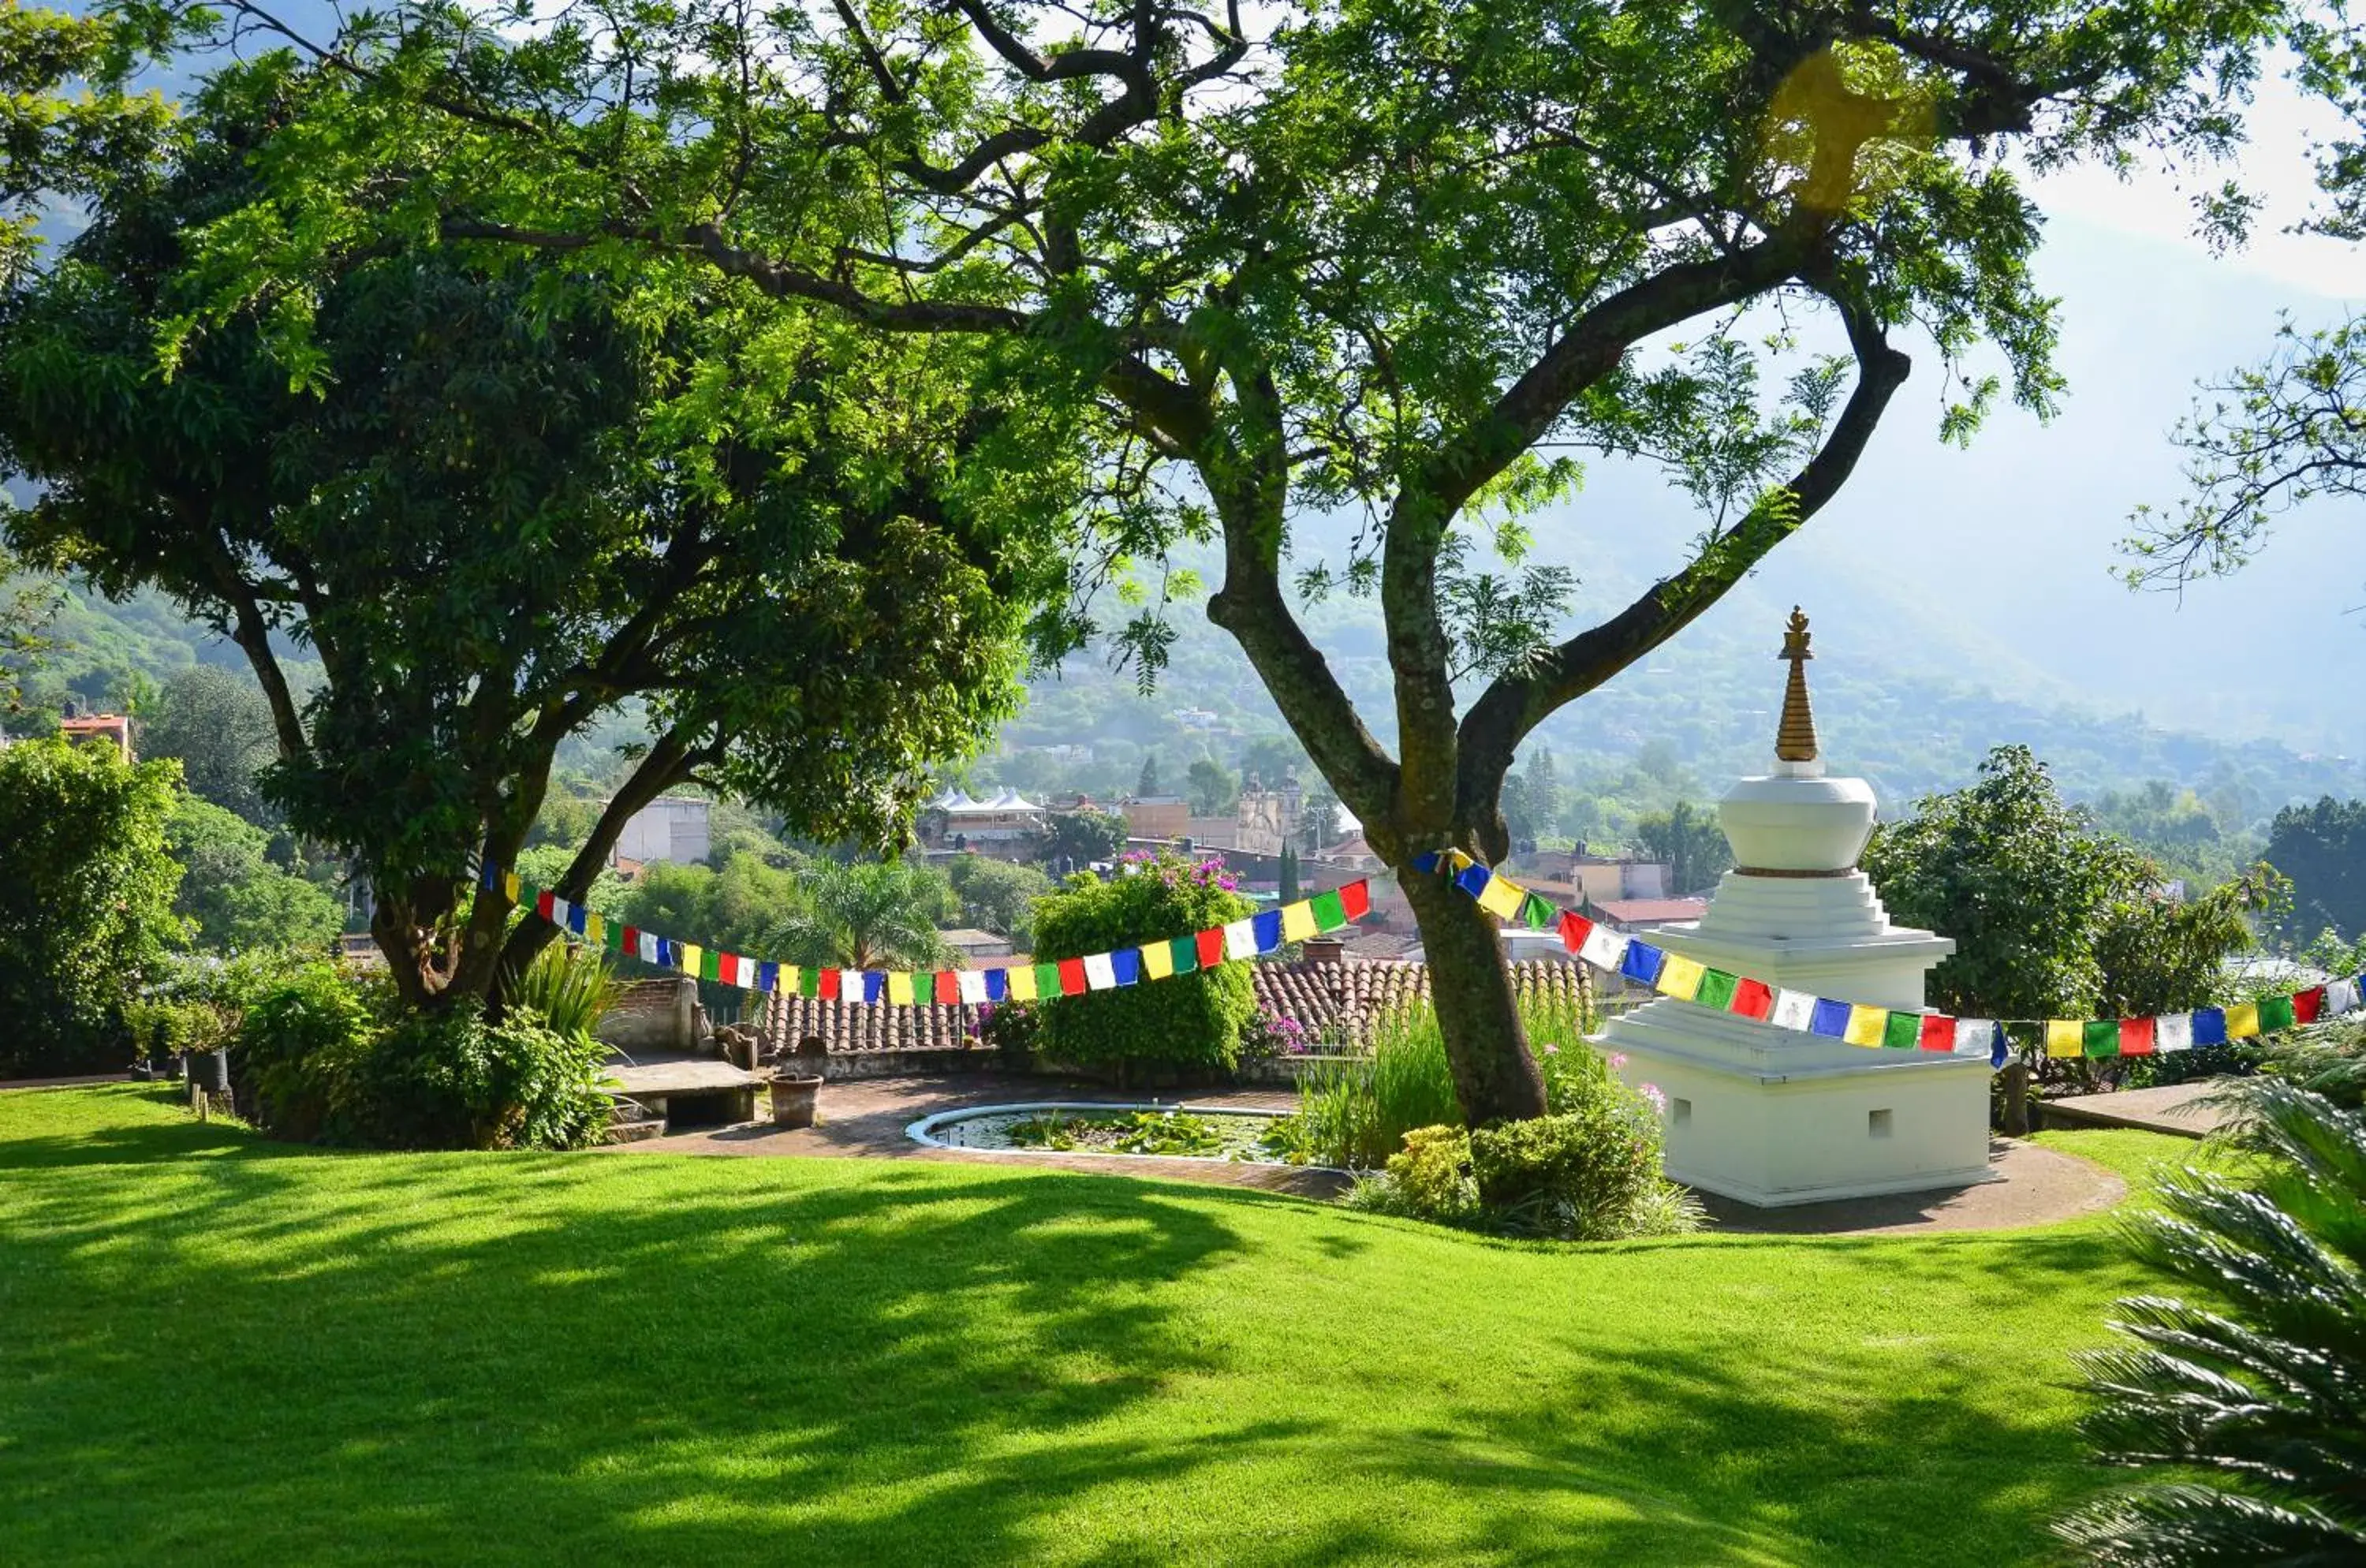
[
  {"x": 710, "y": 964},
  {"x": 1047, "y": 981},
  {"x": 808, "y": 981},
  {"x": 1538, "y": 912},
  {"x": 1903, "y": 1032},
  {"x": 2101, "y": 1037},
  {"x": 1715, "y": 989},
  {"x": 2275, "y": 1012},
  {"x": 1186, "y": 949},
  {"x": 1330, "y": 913},
  {"x": 612, "y": 932}
]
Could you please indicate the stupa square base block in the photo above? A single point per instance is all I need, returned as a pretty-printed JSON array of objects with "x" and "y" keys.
[{"x": 1816, "y": 1133}]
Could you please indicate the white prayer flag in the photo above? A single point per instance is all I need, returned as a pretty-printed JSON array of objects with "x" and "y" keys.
[
  {"x": 647, "y": 945},
  {"x": 1604, "y": 948},
  {"x": 2173, "y": 1032},
  {"x": 1100, "y": 974},
  {"x": 849, "y": 985},
  {"x": 1792, "y": 1009},
  {"x": 1974, "y": 1036},
  {"x": 1240, "y": 941},
  {"x": 973, "y": 985},
  {"x": 559, "y": 908},
  {"x": 2341, "y": 997}
]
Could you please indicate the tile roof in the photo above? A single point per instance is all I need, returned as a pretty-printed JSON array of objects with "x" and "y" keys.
[{"x": 1624, "y": 911}]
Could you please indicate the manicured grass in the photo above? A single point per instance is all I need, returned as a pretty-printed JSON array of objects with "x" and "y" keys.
[{"x": 213, "y": 1349}]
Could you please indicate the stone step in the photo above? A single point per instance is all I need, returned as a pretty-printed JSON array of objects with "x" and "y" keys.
[{"x": 635, "y": 1132}]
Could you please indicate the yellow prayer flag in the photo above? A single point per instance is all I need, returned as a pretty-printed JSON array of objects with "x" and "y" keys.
[
  {"x": 595, "y": 927},
  {"x": 2242, "y": 1020},
  {"x": 1158, "y": 960},
  {"x": 510, "y": 885},
  {"x": 1020, "y": 983},
  {"x": 1866, "y": 1025},
  {"x": 690, "y": 955},
  {"x": 1680, "y": 978},
  {"x": 899, "y": 988},
  {"x": 2064, "y": 1037},
  {"x": 1501, "y": 897},
  {"x": 1297, "y": 922}
]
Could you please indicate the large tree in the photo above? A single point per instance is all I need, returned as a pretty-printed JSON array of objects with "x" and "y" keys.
[
  {"x": 500, "y": 502},
  {"x": 1395, "y": 260}
]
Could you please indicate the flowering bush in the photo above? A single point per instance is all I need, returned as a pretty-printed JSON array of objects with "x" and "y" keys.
[
  {"x": 1270, "y": 1035},
  {"x": 1192, "y": 1021}
]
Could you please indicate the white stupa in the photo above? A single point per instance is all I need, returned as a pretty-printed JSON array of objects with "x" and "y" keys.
[{"x": 1780, "y": 1116}]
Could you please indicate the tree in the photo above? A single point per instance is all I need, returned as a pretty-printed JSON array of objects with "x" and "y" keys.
[
  {"x": 2322, "y": 849},
  {"x": 220, "y": 728},
  {"x": 501, "y": 501},
  {"x": 234, "y": 898},
  {"x": 1081, "y": 838},
  {"x": 1288, "y": 886},
  {"x": 1689, "y": 842},
  {"x": 2052, "y": 919},
  {"x": 1212, "y": 791},
  {"x": 86, "y": 901},
  {"x": 1146, "y": 786},
  {"x": 2242, "y": 1396},
  {"x": 866, "y": 915},
  {"x": 998, "y": 896},
  {"x": 1394, "y": 260}
]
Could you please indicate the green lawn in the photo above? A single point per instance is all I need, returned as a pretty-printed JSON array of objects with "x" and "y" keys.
[{"x": 216, "y": 1349}]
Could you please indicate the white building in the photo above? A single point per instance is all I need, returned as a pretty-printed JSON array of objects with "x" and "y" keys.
[{"x": 671, "y": 828}]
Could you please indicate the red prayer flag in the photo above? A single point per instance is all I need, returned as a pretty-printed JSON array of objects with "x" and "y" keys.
[
  {"x": 542, "y": 904},
  {"x": 1210, "y": 943},
  {"x": 1938, "y": 1032},
  {"x": 1752, "y": 999},
  {"x": 1072, "y": 976},
  {"x": 830, "y": 980},
  {"x": 2136, "y": 1037},
  {"x": 1574, "y": 928},
  {"x": 948, "y": 987},
  {"x": 2308, "y": 1005},
  {"x": 1356, "y": 898},
  {"x": 632, "y": 940}
]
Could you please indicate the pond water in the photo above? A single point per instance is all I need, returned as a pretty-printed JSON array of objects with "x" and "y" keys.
[{"x": 1192, "y": 1132}]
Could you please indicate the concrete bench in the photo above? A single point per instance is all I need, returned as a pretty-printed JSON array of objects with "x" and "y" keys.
[{"x": 703, "y": 1093}]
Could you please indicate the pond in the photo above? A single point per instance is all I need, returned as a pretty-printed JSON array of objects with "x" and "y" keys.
[{"x": 1187, "y": 1131}]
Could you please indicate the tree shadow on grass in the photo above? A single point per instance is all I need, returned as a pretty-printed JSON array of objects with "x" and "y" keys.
[
  {"x": 176, "y": 1134},
  {"x": 491, "y": 1358}
]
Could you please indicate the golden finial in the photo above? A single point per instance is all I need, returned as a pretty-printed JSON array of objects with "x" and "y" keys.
[{"x": 1794, "y": 739}]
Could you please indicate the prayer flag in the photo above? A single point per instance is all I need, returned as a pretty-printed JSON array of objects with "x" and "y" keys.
[
  {"x": 1715, "y": 989},
  {"x": 1158, "y": 960},
  {"x": 1574, "y": 928},
  {"x": 542, "y": 905},
  {"x": 2100, "y": 1037},
  {"x": 595, "y": 927},
  {"x": 2278, "y": 1013},
  {"x": 2136, "y": 1037},
  {"x": 1830, "y": 1018},
  {"x": 1793, "y": 1010},
  {"x": 1751, "y": 999},
  {"x": 510, "y": 888},
  {"x": 692, "y": 958},
  {"x": 1298, "y": 921},
  {"x": 1473, "y": 880},
  {"x": 1021, "y": 982},
  {"x": 768, "y": 975},
  {"x": 1501, "y": 897},
  {"x": 1902, "y": 1032},
  {"x": 1184, "y": 952},
  {"x": 2308, "y": 1006},
  {"x": 809, "y": 981},
  {"x": 899, "y": 987},
  {"x": 1538, "y": 912},
  {"x": 1356, "y": 898},
  {"x": 1426, "y": 861},
  {"x": 947, "y": 989},
  {"x": 647, "y": 949},
  {"x": 1679, "y": 977},
  {"x": 2064, "y": 1037},
  {"x": 2210, "y": 1026},
  {"x": 841, "y": 985},
  {"x": 998, "y": 985},
  {"x": 1330, "y": 910},
  {"x": 2340, "y": 997},
  {"x": 1605, "y": 949},
  {"x": 1240, "y": 939},
  {"x": 1047, "y": 981},
  {"x": 874, "y": 985},
  {"x": 1100, "y": 974},
  {"x": 708, "y": 969},
  {"x": 1938, "y": 1032},
  {"x": 726, "y": 968},
  {"x": 1866, "y": 1025},
  {"x": 970, "y": 986},
  {"x": 1999, "y": 1048},
  {"x": 1074, "y": 981},
  {"x": 578, "y": 917},
  {"x": 2173, "y": 1032},
  {"x": 1975, "y": 1033},
  {"x": 615, "y": 936},
  {"x": 1641, "y": 963},
  {"x": 488, "y": 876},
  {"x": 2242, "y": 1020},
  {"x": 1267, "y": 927},
  {"x": 1127, "y": 962},
  {"x": 1208, "y": 948}
]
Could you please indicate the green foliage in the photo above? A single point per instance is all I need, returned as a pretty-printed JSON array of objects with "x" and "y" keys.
[
  {"x": 1209, "y": 790},
  {"x": 1082, "y": 838},
  {"x": 294, "y": 1043},
  {"x": 569, "y": 988},
  {"x": 544, "y": 865},
  {"x": 864, "y": 915},
  {"x": 453, "y": 1081},
  {"x": 998, "y": 896},
  {"x": 162, "y": 1027},
  {"x": 1012, "y": 1029},
  {"x": 1688, "y": 841},
  {"x": 1584, "y": 1175},
  {"x": 86, "y": 892},
  {"x": 216, "y": 722},
  {"x": 235, "y": 897},
  {"x": 2050, "y": 917},
  {"x": 1429, "y": 1179},
  {"x": 2244, "y": 1398},
  {"x": 2322, "y": 849},
  {"x": 1190, "y": 1021},
  {"x": 1358, "y": 1111}
]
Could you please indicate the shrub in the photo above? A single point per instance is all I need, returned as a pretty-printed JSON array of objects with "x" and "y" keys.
[
  {"x": 161, "y": 1027},
  {"x": 1578, "y": 1176},
  {"x": 455, "y": 1081},
  {"x": 571, "y": 987},
  {"x": 1189, "y": 1021},
  {"x": 296, "y": 1040},
  {"x": 1432, "y": 1175},
  {"x": 86, "y": 902},
  {"x": 1012, "y": 1029},
  {"x": 1359, "y": 1112}
]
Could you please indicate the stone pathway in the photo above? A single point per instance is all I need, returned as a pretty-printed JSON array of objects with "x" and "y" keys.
[
  {"x": 866, "y": 1117},
  {"x": 2175, "y": 1108}
]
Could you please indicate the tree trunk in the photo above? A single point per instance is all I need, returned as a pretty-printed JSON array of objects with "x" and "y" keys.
[{"x": 1494, "y": 1076}]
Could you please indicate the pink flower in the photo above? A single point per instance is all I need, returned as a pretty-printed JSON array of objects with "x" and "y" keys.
[
  {"x": 1552, "y": 1050},
  {"x": 1652, "y": 1092},
  {"x": 1618, "y": 1059}
]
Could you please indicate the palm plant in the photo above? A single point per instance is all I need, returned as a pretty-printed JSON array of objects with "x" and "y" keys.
[
  {"x": 866, "y": 915},
  {"x": 2266, "y": 1397},
  {"x": 571, "y": 988}
]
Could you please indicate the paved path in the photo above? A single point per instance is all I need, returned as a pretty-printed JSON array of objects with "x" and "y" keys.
[
  {"x": 2176, "y": 1109},
  {"x": 867, "y": 1117}
]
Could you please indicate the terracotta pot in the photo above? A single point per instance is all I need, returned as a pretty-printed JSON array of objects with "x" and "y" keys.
[{"x": 793, "y": 1102}]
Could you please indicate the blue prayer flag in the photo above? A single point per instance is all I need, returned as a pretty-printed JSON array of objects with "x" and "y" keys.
[
  {"x": 874, "y": 982},
  {"x": 997, "y": 983},
  {"x": 1266, "y": 928},
  {"x": 575, "y": 918},
  {"x": 1425, "y": 863},
  {"x": 491, "y": 878},
  {"x": 2210, "y": 1026},
  {"x": 1642, "y": 963},
  {"x": 2000, "y": 1050},
  {"x": 1474, "y": 879},
  {"x": 768, "y": 975},
  {"x": 1127, "y": 962},
  {"x": 1830, "y": 1018}
]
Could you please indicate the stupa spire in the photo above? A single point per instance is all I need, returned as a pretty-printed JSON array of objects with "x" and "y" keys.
[{"x": 1794, "y": 738}]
